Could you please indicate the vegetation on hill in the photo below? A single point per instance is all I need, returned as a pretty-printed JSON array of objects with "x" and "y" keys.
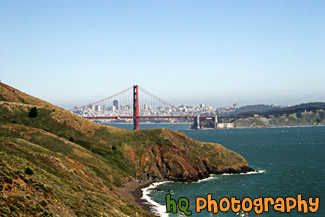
[
  {"x": 308, "y": 116},
  {"x": 54, "y": 162}
]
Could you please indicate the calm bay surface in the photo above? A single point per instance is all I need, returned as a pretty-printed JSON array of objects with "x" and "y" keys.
[{"x": 291, "y": 162}]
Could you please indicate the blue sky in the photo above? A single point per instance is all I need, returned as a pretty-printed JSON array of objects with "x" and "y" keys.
[{"x": 214, "y": 52}]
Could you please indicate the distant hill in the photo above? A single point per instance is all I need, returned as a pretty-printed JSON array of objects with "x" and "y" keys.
[
  {"x": 55, "y": 163},
  {"x": 307, "y": 114},
  {"x": 312, "y": 106},
  {"x": 248, "y": 108}
]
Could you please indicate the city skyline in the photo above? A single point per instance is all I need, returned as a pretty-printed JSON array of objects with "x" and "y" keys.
[
  {"x": 116, "y": 105},
  {"x": 186, "y": 52}
]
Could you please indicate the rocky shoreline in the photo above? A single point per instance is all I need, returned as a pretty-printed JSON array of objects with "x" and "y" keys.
[{"x": 132, "y": 192}]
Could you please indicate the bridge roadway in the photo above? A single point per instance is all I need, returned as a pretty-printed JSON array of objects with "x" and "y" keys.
[{"x": 158, "y": 117}]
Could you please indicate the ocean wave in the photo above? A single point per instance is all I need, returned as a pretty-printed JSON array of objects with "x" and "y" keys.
[
  {"x": 155, "y": 207},
  {"x": 207, "y": 179},
  {"x": 248, "y": 173}
]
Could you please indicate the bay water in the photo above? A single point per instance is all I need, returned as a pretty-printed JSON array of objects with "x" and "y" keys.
[{"x": 290, "y": 161}]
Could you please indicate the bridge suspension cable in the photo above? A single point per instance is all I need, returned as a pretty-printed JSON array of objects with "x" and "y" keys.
[
  {"x": 137, "y": 103},
  {"x": 124, "y": 98},
  {"x": 155, "y": 97}
]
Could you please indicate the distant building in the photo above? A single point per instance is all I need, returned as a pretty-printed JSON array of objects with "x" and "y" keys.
[
  {"x": 115, "y": 103},
  {"x": 225, "y": 125},
  {"x": 201, "y": 105},
  {"x": 97, "y": 108},
  {"x": 92, "y": 108}
]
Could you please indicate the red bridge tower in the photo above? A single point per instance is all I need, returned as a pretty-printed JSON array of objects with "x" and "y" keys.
[{"x": 136, "y": 111}]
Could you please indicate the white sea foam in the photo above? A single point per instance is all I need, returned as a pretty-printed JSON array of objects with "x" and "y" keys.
[
  {"x": 248, "y": 173},
  {"x": 207, "y": 179},
  {"x": 155, "y": 207},
  {"x": 160, "y": 210}
]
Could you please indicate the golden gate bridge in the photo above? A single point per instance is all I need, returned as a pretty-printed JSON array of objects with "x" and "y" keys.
[{"x": 137, "y": 103}]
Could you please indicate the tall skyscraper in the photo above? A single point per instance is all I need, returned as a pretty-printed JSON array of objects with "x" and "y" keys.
[
  {"x": 115, "y": 103},
  {"x": 97, "y": 108}
]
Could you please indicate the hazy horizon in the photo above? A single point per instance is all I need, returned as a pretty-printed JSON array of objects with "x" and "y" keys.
[
  {"x": 217, "y": 53},
  {"x": 69, "y": 106}
]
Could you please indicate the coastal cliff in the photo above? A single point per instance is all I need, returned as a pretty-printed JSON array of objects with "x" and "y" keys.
[{"x": 55, "y": 162}]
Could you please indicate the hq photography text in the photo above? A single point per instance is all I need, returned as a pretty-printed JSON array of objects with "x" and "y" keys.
[{"x": 258, "y": 205}]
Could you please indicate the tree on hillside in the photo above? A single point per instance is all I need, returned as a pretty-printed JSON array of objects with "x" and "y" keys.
[{"x": 33, "y": 113}]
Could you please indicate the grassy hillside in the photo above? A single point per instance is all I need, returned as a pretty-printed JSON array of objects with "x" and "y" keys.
[{"x": 54, "y": 162}]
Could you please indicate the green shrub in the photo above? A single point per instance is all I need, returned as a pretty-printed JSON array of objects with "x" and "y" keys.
[
  {"x": 33, "y": 113},
  {"x": 29, "y": 171}
]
